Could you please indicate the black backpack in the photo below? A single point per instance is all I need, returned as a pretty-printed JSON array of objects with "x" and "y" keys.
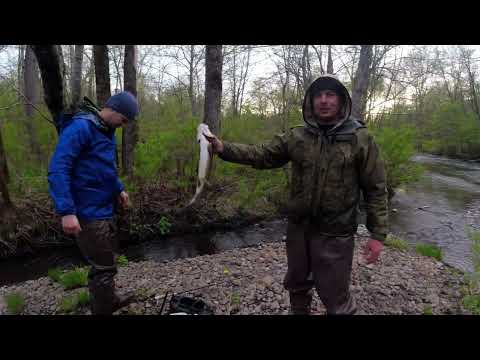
[{"x": 66, "y": 117}]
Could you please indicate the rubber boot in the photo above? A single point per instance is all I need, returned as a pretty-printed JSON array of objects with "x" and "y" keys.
[
  {"x": 102, "y": 291},
  {"x": 122, "y": 300},
  {"x": 300, "y": 302}
]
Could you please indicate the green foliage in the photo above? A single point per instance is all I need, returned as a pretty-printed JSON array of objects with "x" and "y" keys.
[
  {"x": 452, "y": 130},
  {"x": 471, "y": 301},
  {"x": 430, "y": 251},
  {"x": 75, "y": 278},
  {"x": 164, "y": 225},
  {"x": 258, "y": 190},
  {"x": 27, "y": 169},
  {"x": 71, "y": 303},
  {"x": 428, "y": 310},
  {"x": 255, "y": 189},
  {"x": 83, "y": 297},
  {"x": 168, "y": 149},
  {"x": 397, "y": 146},
  {"x": 55, "y": 274},
  {"x": 68, "y": 304},
  {"x": 396, "y": 242},
  {"x": 122, "y": 260},
  {"x": 475, "y": 237},
  {"x": 235, "y": 299},
  {"x": 15, "y": 303}
]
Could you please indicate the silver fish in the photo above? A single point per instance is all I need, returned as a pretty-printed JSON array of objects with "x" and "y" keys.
[{"x": 205, "y": 160}]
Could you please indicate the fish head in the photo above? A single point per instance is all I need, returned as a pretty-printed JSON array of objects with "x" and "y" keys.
[{"x": 203, "y": 129}]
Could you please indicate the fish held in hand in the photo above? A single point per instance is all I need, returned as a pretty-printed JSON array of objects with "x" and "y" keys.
[{"x": 205, "y": 160}]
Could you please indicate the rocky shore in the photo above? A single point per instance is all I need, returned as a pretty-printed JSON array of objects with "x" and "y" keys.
[{"x": 249, "y": 281}]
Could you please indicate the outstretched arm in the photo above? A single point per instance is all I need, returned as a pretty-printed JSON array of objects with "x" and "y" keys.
[{"x": 265, "y": 156}]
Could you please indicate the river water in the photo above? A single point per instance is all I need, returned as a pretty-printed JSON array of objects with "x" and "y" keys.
[{"x": 441, "y": 209}]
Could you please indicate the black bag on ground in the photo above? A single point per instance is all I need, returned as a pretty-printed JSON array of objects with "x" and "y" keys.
[{"x": 189, "y": 305}]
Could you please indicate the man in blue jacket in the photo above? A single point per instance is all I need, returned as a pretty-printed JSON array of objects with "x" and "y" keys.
[{"x": 84, "y": 186}]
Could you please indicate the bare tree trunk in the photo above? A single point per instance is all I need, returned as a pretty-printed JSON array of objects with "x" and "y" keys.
[
  {"x": 306, "y": 72},
  {"x": 3, "y": 162},
  {"x": 30, "y": 77},
  {"x": 21, "y": 62},
  {"x": 319, "y": 57},
  {"x": 466, "y": 59},
  {"x": 191, "y": 91},
  {"x": 102, "y": 73},
  {"x": 285, "y": 102},
  {"x": 69, "y": 73},
  {"x": 31, "y": 85},
  {"x": 91, "y": 80},
  {"x": 76, "y": 80},
  {"x": 213, "y": 87},
  {"x": 7, "y": 209},
  {"x": 361, "y": 82},
  {"x": 243, "y": 79},
  {"x": 116, "y": 56},
  {"x": 234, "y": 75},
  {"x": 330, "y": 61},
  {"x": 130, "y": 132},
  {"x": 52, "y": 69}
]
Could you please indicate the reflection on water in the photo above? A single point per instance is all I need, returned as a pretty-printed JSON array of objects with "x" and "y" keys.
[
  {"x": 440, "y": 208},
  {"x": 161, "y": 249}
]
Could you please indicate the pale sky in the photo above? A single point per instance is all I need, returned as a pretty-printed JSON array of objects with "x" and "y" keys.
[{"x": 262, "y": 64}]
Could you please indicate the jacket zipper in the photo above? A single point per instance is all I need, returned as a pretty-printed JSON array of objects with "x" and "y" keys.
[{"x": 315, "y": 177}]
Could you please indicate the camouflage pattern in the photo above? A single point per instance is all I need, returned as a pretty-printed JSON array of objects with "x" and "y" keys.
[{"x": 329, "y": 170}]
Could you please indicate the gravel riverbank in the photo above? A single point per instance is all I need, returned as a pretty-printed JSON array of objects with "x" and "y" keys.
[{"x": 249, "y": 281}]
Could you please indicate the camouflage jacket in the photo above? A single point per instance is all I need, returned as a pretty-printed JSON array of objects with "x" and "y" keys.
[{"x": 329, "y": 169}]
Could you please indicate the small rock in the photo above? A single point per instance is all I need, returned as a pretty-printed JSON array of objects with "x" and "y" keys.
[{"x": 268, "y": 281}]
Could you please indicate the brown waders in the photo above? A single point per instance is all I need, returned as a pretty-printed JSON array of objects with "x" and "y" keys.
[
  {"x": 98, "y": 246},
  {"x": 320, "y": 261}
]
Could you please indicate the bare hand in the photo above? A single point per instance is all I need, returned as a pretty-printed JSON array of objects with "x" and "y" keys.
[
  {"x": 70, "y": 225},
  {"x": 124, "y": 200},
  {"x": 373, "y": 250},
  {"x": 217, "y": 144}
]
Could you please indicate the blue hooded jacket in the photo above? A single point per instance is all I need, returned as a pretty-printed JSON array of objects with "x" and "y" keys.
[{"x": 82, "y": 174}]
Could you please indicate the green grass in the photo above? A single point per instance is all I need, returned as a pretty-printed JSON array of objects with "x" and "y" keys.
[
  {"x": 74, "y": 278},
  {"x": 430, "y": 251},
  {"x": 427, "y": 310},
  {"x": 235, "y": 299},
  {"x": 475, "y": 237},
  {"x": 471, "y": 300},
  {"x": 396, "y": 242},
  {"x": 472, "y": 303},
  {"x": 55, "y": 274},
  {"x": 15, "y": 303},
  {"x": 83, "y": 297},
  {"x": 164, "y": 225},
  {"x": 73, "y": 302},
  {"x": 122, "y": 260}
]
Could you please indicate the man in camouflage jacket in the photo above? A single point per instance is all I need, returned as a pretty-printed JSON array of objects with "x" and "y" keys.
[{"x": 334, "y": 158}]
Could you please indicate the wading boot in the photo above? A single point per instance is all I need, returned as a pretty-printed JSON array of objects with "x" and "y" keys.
[
  {"x": 300, "y": 302},
  {"x": 123, "y": 300}
]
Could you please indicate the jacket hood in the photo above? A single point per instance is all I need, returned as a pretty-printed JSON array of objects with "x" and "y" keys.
[
  {"x": 95, "y": 119},
  {"x": 307, "y": 109}
]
